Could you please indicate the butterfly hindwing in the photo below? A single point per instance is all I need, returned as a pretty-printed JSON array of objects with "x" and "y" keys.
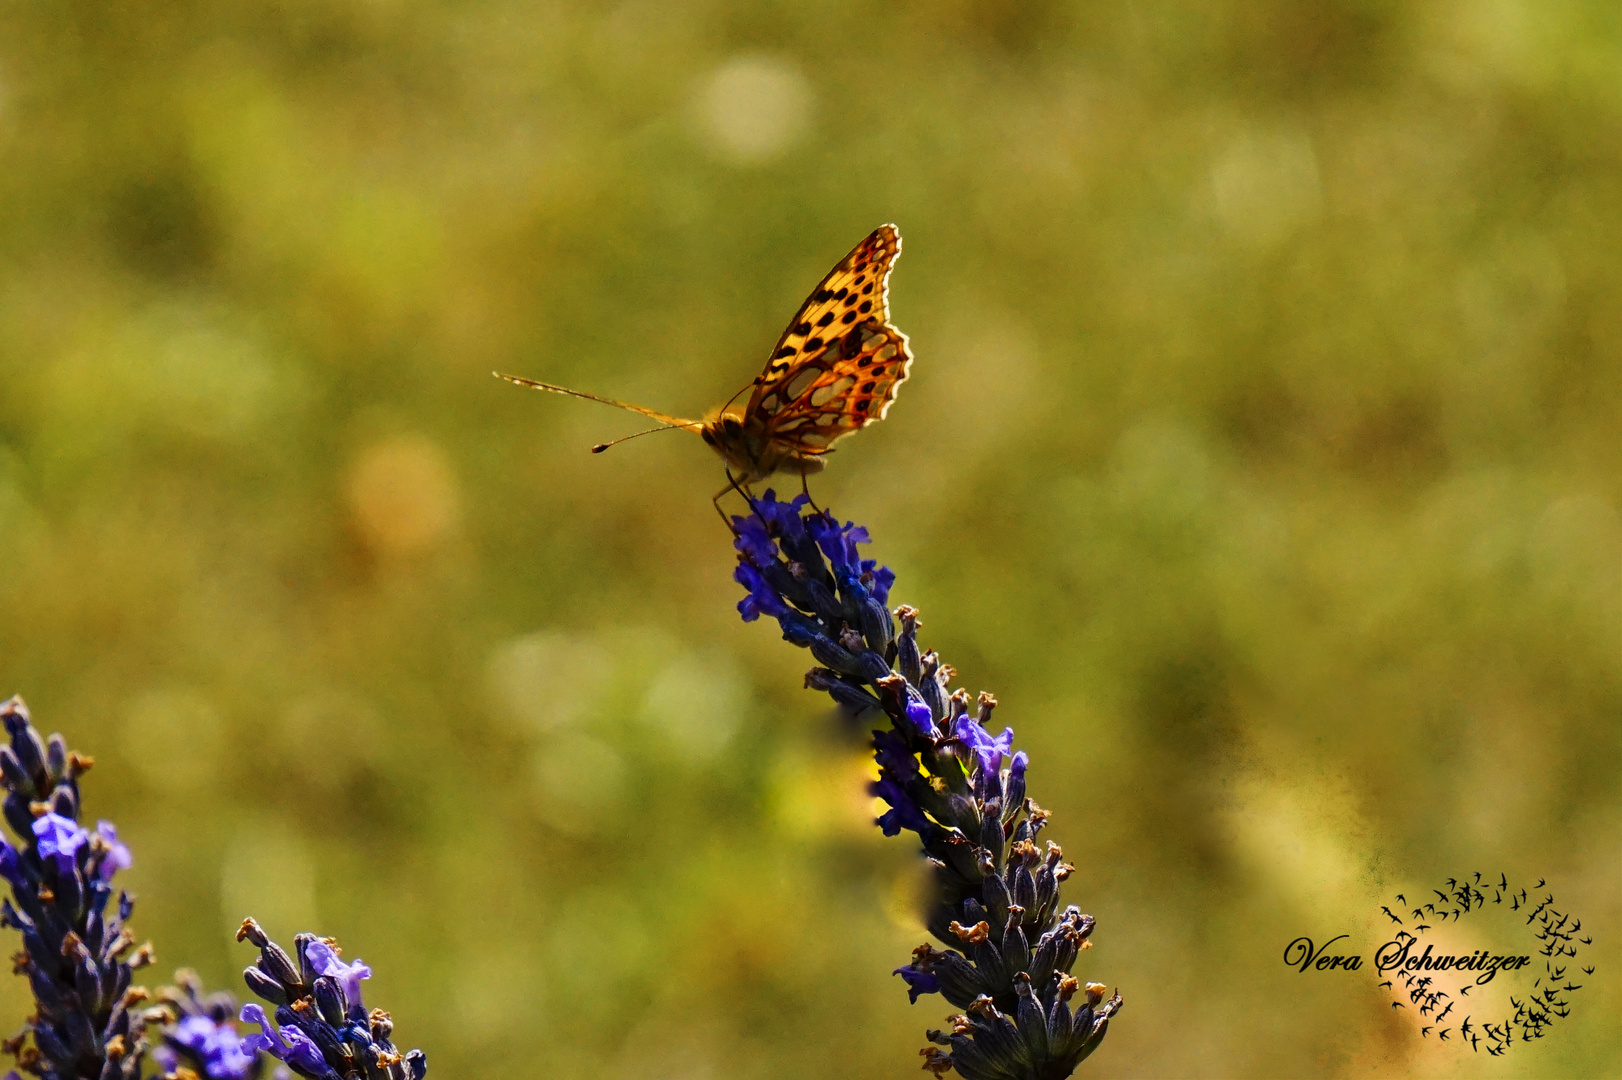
[{"x": 849, "y": 385}]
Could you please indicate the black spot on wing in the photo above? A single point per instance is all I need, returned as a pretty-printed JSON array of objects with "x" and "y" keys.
[
  {"x": 826, "y": 319},
  {"x": 785, "y": 351}
]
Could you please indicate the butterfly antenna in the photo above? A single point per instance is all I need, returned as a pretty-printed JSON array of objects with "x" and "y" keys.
[
  {"x": 652, "y": 414},
  {"x": 600, "y": 447}
]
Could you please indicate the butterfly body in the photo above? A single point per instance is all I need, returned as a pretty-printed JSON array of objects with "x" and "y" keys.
[
  {"x": 834, "y": 371},
  {"x": 750, "y": 454}
]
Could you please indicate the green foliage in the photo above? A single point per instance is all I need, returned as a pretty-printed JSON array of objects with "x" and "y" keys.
[{"x": 1260, "y": 454}]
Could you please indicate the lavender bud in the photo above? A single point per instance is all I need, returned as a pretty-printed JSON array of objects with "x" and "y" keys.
[
  {"x": 81, "y": 1036},
  {"x": 69, "y": 894},
  {"x": 852, "y": 697},
  {"x": 251, "y": 932},
  {"x": 56, "y": 756},
  {"x": 51, "y": 1046},
  {"x": 907, "y": 660},
  {"x": 279, "y": 966},
  {"x": 94, "y": 931},
  {"x": 876, "y": 626},
  {"x": 873, "y": 666},
  {"x": 1016, "y": 951},
  {"x": 329, "y": 998},
  {"x": 44, "y": 991},
  {"x": 18, "y": 815},
  {"x": 12, "y": 769},
  {"x": 262, "y": 985},
  {"x": 30, "y": 753},
  {"x": 87, "y": 981},
  {"x": 823, "y": 602},
  {"x": 991, "y": 837},
  {"x": 301, "y": 951},
  {"x": 929, "y": 687},
  {"x": 828, "y": 654},
  {"x": 1024, "y": 890}
]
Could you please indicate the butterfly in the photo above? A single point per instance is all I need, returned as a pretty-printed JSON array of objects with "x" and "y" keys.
[{"x": 834, "y": 371}]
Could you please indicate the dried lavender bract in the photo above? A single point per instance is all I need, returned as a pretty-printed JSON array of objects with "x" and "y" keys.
[
  {"x": 78, "y": 954},
  {"x": 322, "y": 1027},
  {"x": 948, "y": 779}
]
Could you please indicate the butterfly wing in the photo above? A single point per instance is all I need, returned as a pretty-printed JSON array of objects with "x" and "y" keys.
[
  {"x": 847, "y": 386},
  {"x": 837, "y": 366}
]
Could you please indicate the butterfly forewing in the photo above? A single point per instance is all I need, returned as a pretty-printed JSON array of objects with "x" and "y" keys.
[{"x": 837, "y": 366}]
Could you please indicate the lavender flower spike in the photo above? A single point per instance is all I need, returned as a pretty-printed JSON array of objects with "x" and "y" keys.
[
  {"x": 947, "y": 778},
  {"x": 322, "y": 1030},
  {"x": 78, "y": 955}
]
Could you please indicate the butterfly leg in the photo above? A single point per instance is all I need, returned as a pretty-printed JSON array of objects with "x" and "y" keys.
[
  {"x": 749, "y": 497},
  {"x": 733, "y": 484},
  {"x": 805, "y": 487},
  {"x": 716, "y": 502}
]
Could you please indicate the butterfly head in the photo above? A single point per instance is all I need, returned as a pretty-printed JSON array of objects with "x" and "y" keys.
[{"x": 725, "y": 433}]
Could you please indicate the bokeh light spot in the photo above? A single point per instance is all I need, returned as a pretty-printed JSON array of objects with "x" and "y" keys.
[
  {"x": 753, "y": 108},
  {"x": 547, "y": 679},
  {"x": 695, "y": 704},
  {"x": 404, "y": 496},
  {"x": 1266, "y": 183}
]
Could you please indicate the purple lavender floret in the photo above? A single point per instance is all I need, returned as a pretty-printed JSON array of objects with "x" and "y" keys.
[
  {"x": 117, "y": 857},
  {"x": 948, "y": 779},
  {"x": 78, "y": 952},
  {"x": 289, "y": 1044},
  {"x": 204, "y": 1037},
  {"x": 324, "y": 959},
  {"x": 58, "y": 838},
  {"x": 322, "y": 1029}
]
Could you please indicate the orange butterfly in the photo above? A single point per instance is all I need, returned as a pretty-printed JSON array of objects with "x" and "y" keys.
[{"x": 834, "y": 371}]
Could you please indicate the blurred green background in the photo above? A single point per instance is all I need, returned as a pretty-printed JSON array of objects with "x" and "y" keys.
[{"x": 1261, "y": 454}]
